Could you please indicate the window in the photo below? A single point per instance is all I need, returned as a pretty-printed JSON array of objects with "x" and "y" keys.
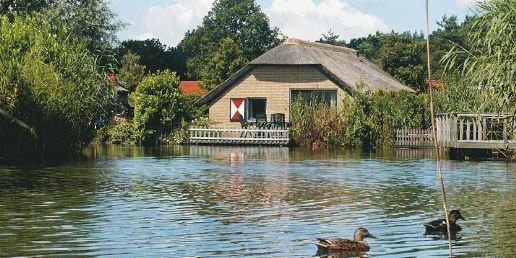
[
  {"x": 314, "y": 97},
  {"x": 256, "y": 106}
]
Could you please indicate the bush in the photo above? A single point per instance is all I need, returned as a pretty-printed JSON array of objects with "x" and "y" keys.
[
  {"x": 121, "y": 133},
  {"x": 365, "y": 121},
  {"x": 160, "y": 107},
  {"x": 49, "y": 80},
  {"x": 313, "y": 125}
]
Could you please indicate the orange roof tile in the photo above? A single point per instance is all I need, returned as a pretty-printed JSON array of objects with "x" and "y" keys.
[{"x": 192, "y": 88}]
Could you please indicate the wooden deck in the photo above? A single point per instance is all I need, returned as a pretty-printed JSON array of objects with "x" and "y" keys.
[
  {"x": 464, "y": 132},
  {"x": 476, "y": 131},
  {"x": 238, "y": 136}
]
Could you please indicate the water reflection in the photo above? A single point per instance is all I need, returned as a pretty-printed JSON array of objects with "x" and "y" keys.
[{"x": 254, "y": 201}]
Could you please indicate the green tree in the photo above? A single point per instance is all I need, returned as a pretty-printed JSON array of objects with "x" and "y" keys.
[
  {"x": 131, "y": 73},
  {"x": 155, "y": 56},
  {"x": 225, "y": 61},
  {"x": 22, "y": 7},
  {"x": 90, "y": 19},
  {"x": 160, "y": 106},
  {"x": 49, "y": 80},
  {"x": 243, "y": 20},
  {"x": 449, "y": 33},
  {"x": 332, "y": 39},
  {"x": 368, "y": 46},
  {"x": 487, "y": 62},
  {"x": 401, "y": 56}
]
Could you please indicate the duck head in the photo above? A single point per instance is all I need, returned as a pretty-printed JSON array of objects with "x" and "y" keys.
[
  {"x": 362, "y": 233},
  {"x": 455, "y": 215}
]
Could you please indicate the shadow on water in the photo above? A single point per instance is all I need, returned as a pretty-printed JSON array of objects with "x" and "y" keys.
[
  {"x": 339, "y": 254},
  {"x": 250, "y": 201}
]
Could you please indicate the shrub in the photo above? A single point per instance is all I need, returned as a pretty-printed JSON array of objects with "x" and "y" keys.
[
  {"x": 160, "y": 107},
  {"x": 51, "y": 81},
  {"x": 313, "y": 125},
  {"x": 121, "y": 133},
  {"x": 364, "y": 121}
]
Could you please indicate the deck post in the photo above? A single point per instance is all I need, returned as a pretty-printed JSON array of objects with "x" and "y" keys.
[
  {"x": 474, "y": 130},
  {"x": 461, "y": 130},
  {"x": 468, "y": 131},
  {"x": 484, "y": 126},
  {"x": 505, "y": 138}
]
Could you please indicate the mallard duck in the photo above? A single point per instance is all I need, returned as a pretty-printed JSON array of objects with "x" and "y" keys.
[
  {"x": 338, "y": 244},
  {"x": 439, "y": 225}
]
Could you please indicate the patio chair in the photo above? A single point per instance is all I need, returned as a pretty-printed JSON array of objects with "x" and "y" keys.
[
  {"x": 261, "y": 120},
  {"x": 242, "y": 121},
  {"x": 278, "y": 120},
  {"x": 261, "y": 123},
  {"x": 243, "y": 125}
]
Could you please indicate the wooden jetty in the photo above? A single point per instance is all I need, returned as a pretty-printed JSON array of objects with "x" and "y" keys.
[
  {"x": 476, "y": 131},
  {"x": 465, "y": 134},
  {"x": 238, "y": 136}
]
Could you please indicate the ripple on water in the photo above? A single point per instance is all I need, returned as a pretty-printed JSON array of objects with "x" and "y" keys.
[{"x": 234, "y": 202}]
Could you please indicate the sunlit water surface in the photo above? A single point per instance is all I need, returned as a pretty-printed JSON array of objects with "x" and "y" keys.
[{"x": 268, "y": 202}]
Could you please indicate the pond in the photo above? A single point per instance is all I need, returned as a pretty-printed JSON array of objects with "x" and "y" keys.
[{"x": 202, "y": 201}]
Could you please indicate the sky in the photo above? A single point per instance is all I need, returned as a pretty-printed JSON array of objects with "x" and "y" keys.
[{"x": 168, "y": 20}]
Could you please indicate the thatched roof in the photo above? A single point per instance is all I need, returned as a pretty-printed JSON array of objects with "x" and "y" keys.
[{"x": 344, "y": 66}]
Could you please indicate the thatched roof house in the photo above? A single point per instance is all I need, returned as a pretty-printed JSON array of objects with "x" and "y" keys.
[{"x": 268, "y": 83}]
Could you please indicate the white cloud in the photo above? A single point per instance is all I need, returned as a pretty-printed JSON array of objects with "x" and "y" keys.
[
  {"x": 465, "y": 3},
  {"x": 170, "y": 22},
  {"x": 308, "y": 19},
  {"x": 305, "y": 19},
  {"x": 144, "y": 36}
]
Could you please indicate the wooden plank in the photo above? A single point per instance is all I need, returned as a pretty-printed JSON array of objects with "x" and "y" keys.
[
  {"x": 474, "y": 138},
  {"x": 461, "y": 130},
  {"x": 467, "y": 131}
]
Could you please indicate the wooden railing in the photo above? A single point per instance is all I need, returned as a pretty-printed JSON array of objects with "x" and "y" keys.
[
  {"x": 413, "y": 138},
  {"x": 477, "y": 131},
  {"x": 239, "y": 136}
]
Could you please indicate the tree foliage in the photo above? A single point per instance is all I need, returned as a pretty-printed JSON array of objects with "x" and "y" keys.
[
  {"x": 368, "y": 120},
  {"x": 160, "y": 106},
  {"x": 131, "y": 73},
  {"x": 487, "y": 62},
  {"x": 448, "y": 34},
  {"x": 225, "y": 61},
  {"x": 331, "y": 38},
  {"x": 155, "y": 56},
  {"x": 49, "y": 80},
  {"x": 401, "y": 55},
  {"x": 242, "y": 20},
  {"x": 92, "y": 20}
]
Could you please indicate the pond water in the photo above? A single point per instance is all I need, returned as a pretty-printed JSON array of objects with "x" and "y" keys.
[{"x": 256, "y": 201}]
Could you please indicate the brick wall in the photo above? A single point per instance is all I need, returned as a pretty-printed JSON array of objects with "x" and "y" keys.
[{"x": 273, "y": 83}]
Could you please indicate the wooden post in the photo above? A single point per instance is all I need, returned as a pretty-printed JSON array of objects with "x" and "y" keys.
[
  {"x": 467, "y": 131},
  {"x": 474, "y": 130},
  {"x": 479, "y": 135},
  {"x": 505, "y": 138},
  {"x": 461, "y": 130},
  {"x": 484, "y": 126}
]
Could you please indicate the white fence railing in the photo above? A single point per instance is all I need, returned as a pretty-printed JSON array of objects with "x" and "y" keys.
[
  {"x": 239, "y": 136},
  {"x": 413, "y": 138}
]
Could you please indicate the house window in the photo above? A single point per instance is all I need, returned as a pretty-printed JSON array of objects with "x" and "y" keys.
[
  {"x": 255, "y": 106},
  {"x": 314, "y": 97}
]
